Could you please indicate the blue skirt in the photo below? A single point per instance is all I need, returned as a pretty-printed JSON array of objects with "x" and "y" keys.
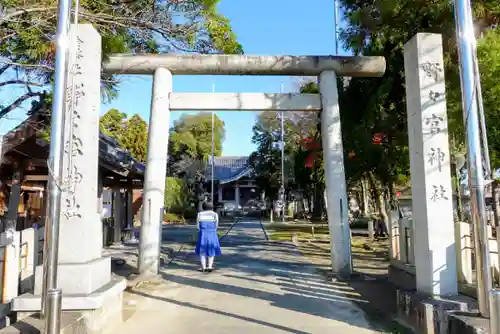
[{"x": 208, "y": 240}]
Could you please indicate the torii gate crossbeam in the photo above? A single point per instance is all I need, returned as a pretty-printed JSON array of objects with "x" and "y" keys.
[{"x": 211, "y": 64}]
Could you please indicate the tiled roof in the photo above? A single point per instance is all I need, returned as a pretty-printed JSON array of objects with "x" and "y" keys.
[
  {"x": 109, "y": 149},
  {"x": 227, "y": 169}
]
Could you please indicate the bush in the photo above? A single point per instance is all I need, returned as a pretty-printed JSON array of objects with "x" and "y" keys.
[{"x": 176, "y": 196}]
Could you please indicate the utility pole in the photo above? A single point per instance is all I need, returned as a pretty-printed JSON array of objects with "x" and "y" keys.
[
  {"x": 336, "y": 23},
  {"x": 282, "y": 188},
  {"x": 213, "y": 152}
]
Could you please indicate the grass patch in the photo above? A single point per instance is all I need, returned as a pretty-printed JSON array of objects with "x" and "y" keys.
[
  {"x": 296, "y": 228},
  {"x": 303, "y": 232},
  {"x": 173, "y": 217},
  {"x": 306, "y": 231}
]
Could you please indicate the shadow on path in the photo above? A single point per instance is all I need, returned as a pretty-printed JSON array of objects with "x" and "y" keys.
[
  {"x": 257, "y": 285},
  {"x": 223, "y": 313}
]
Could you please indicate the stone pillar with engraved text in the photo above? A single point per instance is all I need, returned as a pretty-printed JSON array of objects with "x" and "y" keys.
[
  {"x": 82, "y": 269},
  {"x": 435, "y": 253}
]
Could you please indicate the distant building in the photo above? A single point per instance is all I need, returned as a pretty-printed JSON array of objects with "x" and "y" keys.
[{"x": 232, "y": 180}]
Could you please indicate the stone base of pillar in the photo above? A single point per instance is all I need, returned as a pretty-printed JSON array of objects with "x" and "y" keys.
[
  {"x": 87, "y": 288},
  {"x": 425, "y": 314},
  {"x": 78, "y": 278},
  {"x": 99, "y": 311}
]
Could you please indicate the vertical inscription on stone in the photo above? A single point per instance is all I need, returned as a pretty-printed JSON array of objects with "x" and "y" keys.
[
  {"x": 74, "y": 144},
  {"x": 434, "y": 122},
  {"x": 434, "y": 244},
  {"x": 81, "y": 127}
]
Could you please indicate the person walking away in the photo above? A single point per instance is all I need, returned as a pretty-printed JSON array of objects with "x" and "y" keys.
[{"x": 207, "y": 245}]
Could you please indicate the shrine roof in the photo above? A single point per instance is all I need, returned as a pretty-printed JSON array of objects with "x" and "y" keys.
[
  {"x": 228, "y": 168},
  {"x": 111, "y": 155},
  {"x": 110, "y": 150}
]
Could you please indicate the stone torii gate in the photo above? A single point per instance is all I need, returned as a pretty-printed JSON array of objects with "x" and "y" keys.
[
  {"x": 83, "y": 273},
  {"x": 164, "y": 100}
]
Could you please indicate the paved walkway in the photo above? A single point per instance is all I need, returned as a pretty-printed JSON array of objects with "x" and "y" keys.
[{"x": 257, "y": 287}]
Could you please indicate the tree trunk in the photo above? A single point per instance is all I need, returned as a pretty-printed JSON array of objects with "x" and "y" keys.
[
  {"x": 309, "y": 203},
  {"x": 391, "y": 195},
  {"x": 382, "y": 207},
  {"x": 379, "y": 200},
  {"x": 365, "y": 196},
  {"x": 458, "y": 198},
  {"x": 357, "y": 196},
  {"x": 318, "y": 201},
  {"x": 496, "y": 201}
]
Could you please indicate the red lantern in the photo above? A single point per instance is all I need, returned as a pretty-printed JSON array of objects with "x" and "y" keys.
[{"x": 398, "y": 194}]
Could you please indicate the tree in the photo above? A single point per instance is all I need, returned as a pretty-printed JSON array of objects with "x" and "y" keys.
[
  {"x": 144, "y": 26},
  {"x": 266, "y": 159},
  {"x": 176, "y": 196},
  {"x": 190, "y": 146},
  {"x": 314, "y": 155},
  {"x": 191, "y": 140},
  {"x": 382, "y": 28},
  {"x": 112, "y": 123},
  {"x": 135, "y": 137},
  {"x": 489, "y": 65},
  {"x": 131, "y": 134}
]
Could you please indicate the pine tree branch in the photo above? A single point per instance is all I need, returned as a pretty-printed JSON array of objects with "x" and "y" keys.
[
  {"x": 20, "y": 82},
  {"x": 4, "y": 68},
  {"x": 22, "y": 11},
  {"x": 14, "y": 64},
  {"x": 19, "y": 101}
]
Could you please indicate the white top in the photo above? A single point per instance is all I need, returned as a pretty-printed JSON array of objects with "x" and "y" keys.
[{"x": 207, "y": 216}]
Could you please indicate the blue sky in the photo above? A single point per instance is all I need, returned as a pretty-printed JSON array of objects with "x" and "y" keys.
[{"x": 263, "y": 27}]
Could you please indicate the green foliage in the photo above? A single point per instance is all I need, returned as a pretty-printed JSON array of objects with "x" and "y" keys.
[
  {"x": 131, "y": 133},
  {"x": 266, "y": 160},
  {"x": 177, "y": 199},
  {"x": 191, "y": 140},
  {"x": 135, "y": 137},
  {"x": 190, "y": 145},
  {"x": 219, "y": 30},
  {"x": 489, "y": 64},
  {"x": 28, "y": 30},
  {"x": 382, "y": 28},
  {"x": 370, "y": 106},
  {"x": 112, "y": 123}
]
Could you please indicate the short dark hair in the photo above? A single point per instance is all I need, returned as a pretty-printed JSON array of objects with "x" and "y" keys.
[{"x": 207, "y": 206}]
